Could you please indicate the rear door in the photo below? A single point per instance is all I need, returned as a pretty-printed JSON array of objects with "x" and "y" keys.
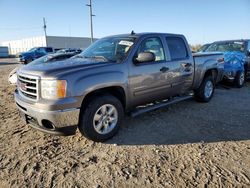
[{"x": 181, "y": 63}]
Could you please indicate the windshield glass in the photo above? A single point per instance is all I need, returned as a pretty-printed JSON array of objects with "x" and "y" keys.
[
  {"x": 32, "y": 49},
  {"x": 114, "y": 49},
  {"x": 226, "y": 47},
  {"x": 203, "y": 48}
]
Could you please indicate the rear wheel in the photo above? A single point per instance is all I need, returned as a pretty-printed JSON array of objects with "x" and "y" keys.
[
  {"x": 101, "y": 118},
  {"x": 206, "y": 90},
  {"x": 239, "y": 79}
]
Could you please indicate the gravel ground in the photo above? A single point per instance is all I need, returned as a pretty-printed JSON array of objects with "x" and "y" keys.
[{"x": 188, "y": 144}]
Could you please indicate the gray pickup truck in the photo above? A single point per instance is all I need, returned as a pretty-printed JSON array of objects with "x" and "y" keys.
[{"x": 116, "y": 75}]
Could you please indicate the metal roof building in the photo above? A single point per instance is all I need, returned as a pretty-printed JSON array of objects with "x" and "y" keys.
[
  {"x": 4, "y": 51},
  {"x": 57, "y": 42}
]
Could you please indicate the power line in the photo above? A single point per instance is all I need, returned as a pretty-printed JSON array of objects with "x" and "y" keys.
[
  {"x": 91, "y": 21},
  {"x": 45, "y": 32}
]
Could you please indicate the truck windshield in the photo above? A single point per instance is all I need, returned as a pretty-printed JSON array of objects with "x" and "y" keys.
[
  {"x": 32, "y": 49},
  {"x": 112, "y": 49},
  {"x": 226, "y": 47}
]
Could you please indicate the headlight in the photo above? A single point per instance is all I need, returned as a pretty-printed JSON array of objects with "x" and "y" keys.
[{"x": 53, "y": 89}]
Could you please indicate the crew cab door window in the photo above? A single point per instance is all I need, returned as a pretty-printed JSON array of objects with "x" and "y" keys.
[
  {"x": 177, "y": 48},
  {"x": 182, "y": 66},
  {"x": 153, "y": 45},
  {"x": 48, "y": 50}
]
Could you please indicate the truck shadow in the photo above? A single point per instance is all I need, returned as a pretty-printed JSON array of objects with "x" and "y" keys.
[{"x": 184, "y": 123}]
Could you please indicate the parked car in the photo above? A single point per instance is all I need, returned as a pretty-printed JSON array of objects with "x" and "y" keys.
[
  {"x": 115, "y": 75},
  {"x": 34, "y": 53},
  {"x": 237, "y": 59},
  {"x": 44, "y": 59}
]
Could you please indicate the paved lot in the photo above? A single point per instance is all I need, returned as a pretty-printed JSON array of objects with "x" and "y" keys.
[{"x": 185, "y": 145}]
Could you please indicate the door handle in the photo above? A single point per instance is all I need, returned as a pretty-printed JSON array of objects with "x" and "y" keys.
[
  {"x": 164, "y": 69},
  {"x": 186, "y": 65}
]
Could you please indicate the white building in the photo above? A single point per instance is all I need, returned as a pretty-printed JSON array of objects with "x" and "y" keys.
[{"x": 16, "y": 46}]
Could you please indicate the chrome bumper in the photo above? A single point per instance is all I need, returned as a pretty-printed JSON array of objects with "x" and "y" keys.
[{"x": 60, "y": 120}]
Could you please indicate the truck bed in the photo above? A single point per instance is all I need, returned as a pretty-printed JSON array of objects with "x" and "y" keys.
[{"x": 203, "y": 61}]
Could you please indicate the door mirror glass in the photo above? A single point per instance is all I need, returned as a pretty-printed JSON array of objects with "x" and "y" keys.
[{"x": 144, "y": 57}]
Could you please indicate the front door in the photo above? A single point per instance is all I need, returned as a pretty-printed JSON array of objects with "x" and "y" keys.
[{"x": 150, "y": 81}]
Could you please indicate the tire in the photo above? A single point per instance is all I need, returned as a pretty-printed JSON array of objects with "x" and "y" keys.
[
  {"x": 206, "y": 90},
  {"x": 239, "y": 79},
  {"x": 28, "y": 61},
  {"x": 105, "y": 126}
]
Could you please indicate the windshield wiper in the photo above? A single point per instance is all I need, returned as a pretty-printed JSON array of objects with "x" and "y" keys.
[
  {"x": 78, "y": 56},
  {"x": 94, "y": 57},
  {"x": 97, "y": 57}
]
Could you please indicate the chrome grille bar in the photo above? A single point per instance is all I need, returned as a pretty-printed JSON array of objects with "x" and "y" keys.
[{"x": 28, "y": 86}]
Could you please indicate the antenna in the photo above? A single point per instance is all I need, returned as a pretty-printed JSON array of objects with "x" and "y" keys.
[{"x": 45, "y": 32}]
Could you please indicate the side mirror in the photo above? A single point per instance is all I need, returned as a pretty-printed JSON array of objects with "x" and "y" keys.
[{"x": 144, "y": 57}]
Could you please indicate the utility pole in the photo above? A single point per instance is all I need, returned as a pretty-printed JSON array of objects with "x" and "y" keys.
[
  {"x": 45, "y": 33},
  {"x": 91, "y": 22}
]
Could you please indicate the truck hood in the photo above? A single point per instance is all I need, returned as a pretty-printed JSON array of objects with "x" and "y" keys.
[{"x": 56, "y": 68}]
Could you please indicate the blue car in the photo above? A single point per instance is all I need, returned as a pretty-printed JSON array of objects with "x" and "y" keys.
[
  {"x": 34, "y": 53},
  {"x": 236, "y": 58}
]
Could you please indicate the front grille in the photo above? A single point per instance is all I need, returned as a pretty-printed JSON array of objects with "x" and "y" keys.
[{"x": 28, "y": 86}]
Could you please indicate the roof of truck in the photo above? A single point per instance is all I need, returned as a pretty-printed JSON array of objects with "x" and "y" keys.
[
  {"x": 143, "y": 34},
  {"x": 236, "y": 40}
]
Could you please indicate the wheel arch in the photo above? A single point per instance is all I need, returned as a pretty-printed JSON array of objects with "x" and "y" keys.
[
  {"x": 211, "y": 72},
  {"x": 116, "y": 91}
]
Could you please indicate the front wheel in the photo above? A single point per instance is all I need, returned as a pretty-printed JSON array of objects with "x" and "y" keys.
[
  {"x": 101, "y": 118},
  {"x": 206, "y": 90},
  {"x": 239, "y": 79}
]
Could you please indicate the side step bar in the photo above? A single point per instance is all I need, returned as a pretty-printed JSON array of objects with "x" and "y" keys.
[{"x": 140, "y": 110}]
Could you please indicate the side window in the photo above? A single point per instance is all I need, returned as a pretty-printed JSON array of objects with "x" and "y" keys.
[
  {"x": 48, "y": 49},
  {"x": 153, "y": 45},
  {"x": 177, "y": 48},
  {"x": 41, "y": 50}
]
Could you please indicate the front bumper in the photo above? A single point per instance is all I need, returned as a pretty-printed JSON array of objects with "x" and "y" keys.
[
  {"x": 229, "y": 75},
  {"x": 57, "y": 122},
  {"x": 21, "y": 59}
]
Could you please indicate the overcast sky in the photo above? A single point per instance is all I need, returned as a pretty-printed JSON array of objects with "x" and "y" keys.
[{"x": 201, "y": 21}]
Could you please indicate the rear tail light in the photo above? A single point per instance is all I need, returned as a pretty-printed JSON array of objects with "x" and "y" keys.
[{"x": 220, "y": 60}]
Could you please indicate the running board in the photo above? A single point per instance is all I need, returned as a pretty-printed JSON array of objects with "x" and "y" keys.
[{"x": 140, "y": 110}]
